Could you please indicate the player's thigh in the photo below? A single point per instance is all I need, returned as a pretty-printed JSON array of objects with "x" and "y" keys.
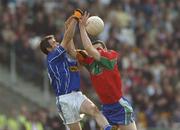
[
  {"x": 131, "y": 126},
  {"x": 75, "y": 126},
  {"x": 88, "y": 107}
]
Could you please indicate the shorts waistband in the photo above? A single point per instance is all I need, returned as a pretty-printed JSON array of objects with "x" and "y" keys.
[
  {"x": 68, "y": 93},
  {"x": 117, "y": 102}
]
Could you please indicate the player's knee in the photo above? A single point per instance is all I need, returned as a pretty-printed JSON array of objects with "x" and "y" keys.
[{"x": 94, "y": 110}]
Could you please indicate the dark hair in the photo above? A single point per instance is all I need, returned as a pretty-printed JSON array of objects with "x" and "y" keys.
[
  {"x": 44, "y": 44},
  {"x": 99, "y": 42}
]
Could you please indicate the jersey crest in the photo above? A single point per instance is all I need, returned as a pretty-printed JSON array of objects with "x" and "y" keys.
[{"x": 73, "y": 69}]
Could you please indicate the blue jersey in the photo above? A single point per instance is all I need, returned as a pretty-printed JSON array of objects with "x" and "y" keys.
[{"x": 63, "y": 72}]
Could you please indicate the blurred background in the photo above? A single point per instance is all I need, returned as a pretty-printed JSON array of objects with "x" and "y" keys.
[{"x": 146, "y": 33}]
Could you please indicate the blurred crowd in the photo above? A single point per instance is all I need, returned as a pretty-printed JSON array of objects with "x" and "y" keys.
[
  {"x": 24, "y": 119},
  {"x": 38, "y": 119},
  {"x": 146, "y": 33}
]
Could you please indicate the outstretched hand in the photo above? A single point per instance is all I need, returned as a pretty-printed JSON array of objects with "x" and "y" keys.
[
  {"x": 83, "y": 20},
  {"x": 77, "y": 14}
]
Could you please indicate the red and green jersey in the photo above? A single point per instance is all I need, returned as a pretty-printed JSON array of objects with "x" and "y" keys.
[{"x": 105, "y": 76}]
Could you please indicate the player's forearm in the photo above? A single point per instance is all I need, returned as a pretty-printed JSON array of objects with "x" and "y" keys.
[
  {"x": 69, "y": 33},
  {"x": 88, "y": 45},
  {"x": 71, "y": 49},
  {"x": 85, "y": 39}
]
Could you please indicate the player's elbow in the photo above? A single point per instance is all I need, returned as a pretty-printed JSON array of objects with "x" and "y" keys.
[
  {"x": 93, "y": 52},
  {"x": 97, "y": 56},
  {"x": 94, "y": 111}
]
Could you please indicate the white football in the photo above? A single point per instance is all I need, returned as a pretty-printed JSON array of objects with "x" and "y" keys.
[{"x": 94, "y": 25}]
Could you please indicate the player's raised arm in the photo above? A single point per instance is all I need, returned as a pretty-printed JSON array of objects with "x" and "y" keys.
[
  {"x": 71, "y": 49},
  {"x": 70, "y": 27},
  {"x": 85, "y": 38}
]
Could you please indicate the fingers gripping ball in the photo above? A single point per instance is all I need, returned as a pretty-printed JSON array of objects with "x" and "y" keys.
[{"x": 94, "y": 25}]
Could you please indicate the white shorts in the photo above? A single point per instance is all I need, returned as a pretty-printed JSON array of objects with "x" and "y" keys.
[{"x": 69, "y": 106}]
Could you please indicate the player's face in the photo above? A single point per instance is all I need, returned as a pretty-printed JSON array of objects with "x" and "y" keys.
[{"x": 53, "y": 43}]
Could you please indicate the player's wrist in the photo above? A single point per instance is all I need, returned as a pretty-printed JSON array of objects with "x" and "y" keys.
[{"x": 82, "y": 27}]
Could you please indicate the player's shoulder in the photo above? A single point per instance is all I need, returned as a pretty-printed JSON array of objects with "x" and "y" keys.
[{"x": 59, "y": 51}]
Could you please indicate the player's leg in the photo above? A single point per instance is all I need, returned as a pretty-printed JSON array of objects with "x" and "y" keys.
[
  {"x": 126, "y": 115},
  {"x": 120, "y": 113},
  {"x": 131, "y": 126},
  {"x": 68, "y": 111},
  {"x": 90, "y": 108},
  {"x": 75, "y": 126}
]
